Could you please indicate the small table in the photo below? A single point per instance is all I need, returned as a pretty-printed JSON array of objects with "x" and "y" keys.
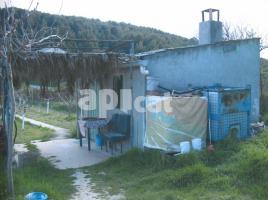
[{"x": 92, "y": 122}]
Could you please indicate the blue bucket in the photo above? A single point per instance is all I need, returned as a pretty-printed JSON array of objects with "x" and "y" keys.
[
  {"x": 99, "y": 140},
  {"x": 36, "y": 196}
]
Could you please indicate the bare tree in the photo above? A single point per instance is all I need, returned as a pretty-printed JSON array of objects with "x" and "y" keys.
[
  {"x": 231, "y": 32},
  {"x": 240, "y": 32},
  {"x": 17, "y": 38}
]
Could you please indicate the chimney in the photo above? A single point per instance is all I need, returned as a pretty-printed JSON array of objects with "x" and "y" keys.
[{"x": 210, "y": 30}]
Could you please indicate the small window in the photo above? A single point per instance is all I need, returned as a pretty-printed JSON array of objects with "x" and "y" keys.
[{"x": 117, "y": 86}]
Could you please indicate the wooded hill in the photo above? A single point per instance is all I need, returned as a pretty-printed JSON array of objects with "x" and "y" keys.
[{"x": 93, "y": 29}]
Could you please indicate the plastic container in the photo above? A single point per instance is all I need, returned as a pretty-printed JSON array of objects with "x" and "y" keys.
[
  {"x": 99, "y": 140},
  {"x": 185, "y": 147},
  {"x": 36, "y": 196},
  {"x": 197, "y": 144},
  {"x": 152, "y": 83}
]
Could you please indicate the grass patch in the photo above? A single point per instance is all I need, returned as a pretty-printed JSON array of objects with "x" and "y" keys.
[
  {"x": 41, "y": 175},
  {"x": 54, "y": 117},
  {"x": 236, "y": 170},
  {"x": 32, "y": 132},
  {"x": 31, "y": 147}
]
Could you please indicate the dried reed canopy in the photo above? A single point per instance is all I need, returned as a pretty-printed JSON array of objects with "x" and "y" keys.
[{"x": 47, "y": 68}]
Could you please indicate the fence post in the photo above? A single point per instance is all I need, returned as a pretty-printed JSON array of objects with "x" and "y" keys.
[
  {"x": 23, "y": 118},
  {"x": 47, "y": 106}
]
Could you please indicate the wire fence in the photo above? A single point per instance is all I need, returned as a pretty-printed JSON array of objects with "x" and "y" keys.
[{"x": 53, "y": 101}]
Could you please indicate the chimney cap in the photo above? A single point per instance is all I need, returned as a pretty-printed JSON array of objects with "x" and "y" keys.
[{"x": 210, "y": 11}]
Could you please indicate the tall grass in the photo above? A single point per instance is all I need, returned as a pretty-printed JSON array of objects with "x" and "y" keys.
[
  {"x": 38, "y": 175},
  {"x": 31, "y": 132},
  {"x": 42, "y": 176},
  {"x": 235, "y": 170}
]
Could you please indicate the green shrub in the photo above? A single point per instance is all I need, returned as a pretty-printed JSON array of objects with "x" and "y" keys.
[
  {"x": 253, "y": 164},
  {"x": 222, "y": 153},
  {"x": 187, "y": 176}
]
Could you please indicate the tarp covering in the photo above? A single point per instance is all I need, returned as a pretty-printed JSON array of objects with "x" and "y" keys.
[{"x": 171, "y": 120}]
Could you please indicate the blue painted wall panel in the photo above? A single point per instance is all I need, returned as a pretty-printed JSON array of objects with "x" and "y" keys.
[{"x": 232, "y": 63}]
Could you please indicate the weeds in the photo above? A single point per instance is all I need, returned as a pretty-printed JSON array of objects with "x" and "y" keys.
[
  {"x": 235, "y": 170},
  {"x": 32, "y": 132},
  {"x": 187, "y": 176}
]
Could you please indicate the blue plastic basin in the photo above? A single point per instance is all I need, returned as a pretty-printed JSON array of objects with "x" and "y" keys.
[{"x": 36, "y": 196}]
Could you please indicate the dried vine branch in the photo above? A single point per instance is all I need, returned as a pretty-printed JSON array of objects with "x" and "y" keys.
[{"x": 17, "y": 38}]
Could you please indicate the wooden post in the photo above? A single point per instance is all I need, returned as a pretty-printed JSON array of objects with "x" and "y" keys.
[
  {"x": 23, "y": 117},
  {"x": 77, "y": 87},
  {"x": 23, "y": 121},
  {"x": 8, "y": 118},
  {"x": 47, "y": 106}
]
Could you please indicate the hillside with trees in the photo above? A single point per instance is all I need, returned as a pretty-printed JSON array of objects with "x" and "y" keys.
[{"x": 144, "y": 38}]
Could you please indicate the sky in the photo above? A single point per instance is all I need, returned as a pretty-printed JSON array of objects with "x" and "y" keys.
[{"x": 180, "y": 17}]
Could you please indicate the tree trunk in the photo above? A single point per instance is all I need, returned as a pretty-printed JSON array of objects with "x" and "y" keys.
[{"x": 8, "y": 117}]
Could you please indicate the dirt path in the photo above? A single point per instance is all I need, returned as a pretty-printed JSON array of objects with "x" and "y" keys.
[
  {"x": 85, "y": 190},
  {"x": 66, "y": 153},
  {"x": 84, "y": 187}
]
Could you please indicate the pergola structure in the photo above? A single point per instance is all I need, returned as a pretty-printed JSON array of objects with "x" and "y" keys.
[{"x": 48, "y": 64}]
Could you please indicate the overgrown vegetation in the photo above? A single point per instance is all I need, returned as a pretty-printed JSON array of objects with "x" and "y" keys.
[
  {"x": 235, "y": 170},
  {"x": 41, "y": 175},
  {"x": 57, "y": 118},
  {"x": 31, "y": 132},
  {"x": 59, "y": 115}
]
